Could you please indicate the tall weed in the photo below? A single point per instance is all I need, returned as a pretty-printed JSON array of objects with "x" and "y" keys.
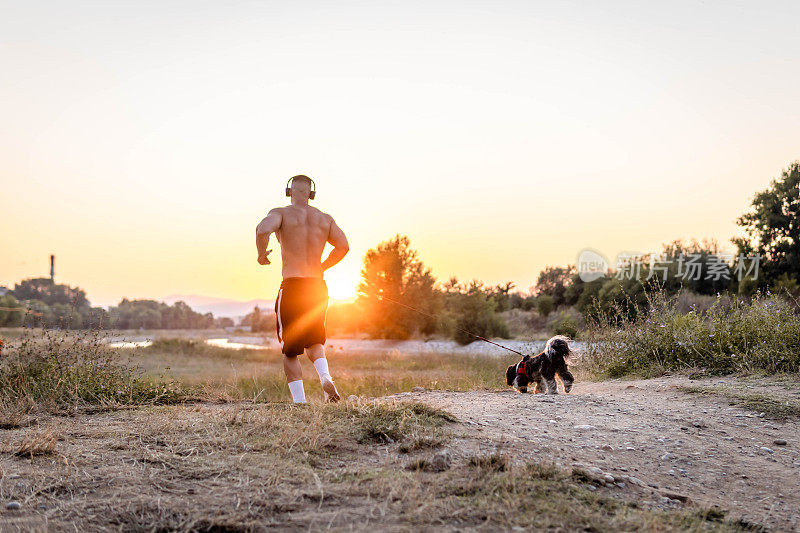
[
  {"x": 730, "y": 335},
  {"x": 53, "y": 369}
]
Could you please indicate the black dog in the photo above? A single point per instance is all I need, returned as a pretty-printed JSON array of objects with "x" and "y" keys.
[{"x": 541, "y": 369}]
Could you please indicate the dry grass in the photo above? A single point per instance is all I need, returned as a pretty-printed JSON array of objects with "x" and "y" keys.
[
  {"x": 223, "y": 373},
  {"x": 252, "y": 467},
  {"x": 49, "y": 370},
  {"x": 421, "y": 443},
  {"x": 16, "y": 413},
  {"x": 495, "y": 462},
  {"x": 35, "y": 442},
  {"x": 778, "y": 408}
]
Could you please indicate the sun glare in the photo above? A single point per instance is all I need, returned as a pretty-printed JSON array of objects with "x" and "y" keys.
[{"x": 341, "y": 286}]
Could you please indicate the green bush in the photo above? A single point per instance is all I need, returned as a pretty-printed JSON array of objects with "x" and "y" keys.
[
  {"x": 528, "y": 303},
  {"x": 179, "y": 345},
  {"x": 486, "y": 324},
  {"x": 785, "y": 284},
  {"x": 475, "y": 312},
  {"x": 748, "y": 286},
  {"x": 732, "y": 335},
  {"x": 565, "y": 324},
  {"x": 544, "y": 304},
  {"x": 472, "y": 307}
]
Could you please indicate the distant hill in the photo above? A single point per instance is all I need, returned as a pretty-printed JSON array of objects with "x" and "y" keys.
[{"x": 219, "y": 306}]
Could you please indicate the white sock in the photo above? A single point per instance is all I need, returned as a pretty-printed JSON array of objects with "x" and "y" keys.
[
  {"x": 321, "y": 365},
  {"x": 298, "y": 394}
]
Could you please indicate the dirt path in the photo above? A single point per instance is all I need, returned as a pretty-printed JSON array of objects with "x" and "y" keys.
[{"x": 654, "y": 437}]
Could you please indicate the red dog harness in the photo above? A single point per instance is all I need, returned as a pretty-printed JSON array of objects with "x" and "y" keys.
[{"x": 521, "y": 369}]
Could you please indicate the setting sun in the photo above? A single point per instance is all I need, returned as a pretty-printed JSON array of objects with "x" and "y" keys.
[{"x": 341, "y": 285}]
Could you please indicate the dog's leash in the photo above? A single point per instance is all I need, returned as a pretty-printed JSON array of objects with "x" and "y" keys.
[{"x": 383, "y": 297}]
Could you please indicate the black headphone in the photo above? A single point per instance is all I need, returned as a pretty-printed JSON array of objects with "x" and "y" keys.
[{"x": 311, "y": 194}]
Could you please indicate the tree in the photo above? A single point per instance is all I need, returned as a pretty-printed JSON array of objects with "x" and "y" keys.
[
  {"x": 475, "y": 312},
  {"x": 772, "y": 227},
  {"x": 150, "y": 314},
  {"x": 393, "y": 273},
  {"x": 748, "y": 286},
  {"x": 65, "y": 317},
  {"x": 554, "y": 281},
  {"x": 501, "y": 294},
  {"x": 589, "y": 294},
  {"x": 223, "y": 322},
  {"x": 698, "y": 261},
  {"x": 259, "y": 321},
  {"x": 45, "y": 290},
  {"x": 177, "y": 316},
  {"x": 574, "y": 290},
  {"x": 59, "y": 305},
  {"x": 620, "y": 298},
  {"x": 40, "y": 314},
  {"x": 565, "y": 324},
  {"x": 96, "y": 317},
  {"x": 471, "y": 307},
  {"x": 10, "y": 318}
]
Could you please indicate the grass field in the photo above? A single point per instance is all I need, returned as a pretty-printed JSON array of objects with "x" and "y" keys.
[
  {"x": 192, "y": 437},
  {"x": 258, "y": 374}
]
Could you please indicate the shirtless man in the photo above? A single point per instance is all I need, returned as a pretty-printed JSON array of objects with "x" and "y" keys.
[{"x": 302, "y": 232}]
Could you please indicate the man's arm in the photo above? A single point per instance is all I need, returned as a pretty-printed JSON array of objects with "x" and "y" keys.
[
  {"x": 270, "y": 224},
  {"x": 338, "y": 239}
]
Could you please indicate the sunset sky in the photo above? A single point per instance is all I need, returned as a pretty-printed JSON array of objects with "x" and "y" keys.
[{"x": 141, "y": 142}]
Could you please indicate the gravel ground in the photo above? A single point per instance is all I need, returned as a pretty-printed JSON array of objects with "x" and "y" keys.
[{"x": 659, "y": 443}]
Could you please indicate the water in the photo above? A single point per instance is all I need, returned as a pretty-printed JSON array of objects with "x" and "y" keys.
[
  {"x": 371, "y": 345},
  {"x": 130, "y": 344},
  {"x": 226, "y": 343},
  {"x": 223, "y": 343}
]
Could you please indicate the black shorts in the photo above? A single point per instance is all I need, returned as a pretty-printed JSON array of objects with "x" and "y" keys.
[{"x": 300, "y": 310}]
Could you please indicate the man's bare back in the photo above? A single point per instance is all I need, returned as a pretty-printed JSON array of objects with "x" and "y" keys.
[{"x": 302, "y": 232}]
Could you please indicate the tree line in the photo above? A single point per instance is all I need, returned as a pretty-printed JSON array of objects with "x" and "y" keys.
[
  {"x": 771, "y": 244},
  {"x": 394, "y": 280},
  {"x": 60, "y": 305}
]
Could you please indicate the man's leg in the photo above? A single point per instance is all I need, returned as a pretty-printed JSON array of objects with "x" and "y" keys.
[
  {"x": 294, "y": 376},
  {"x": 316, "y": 353}
]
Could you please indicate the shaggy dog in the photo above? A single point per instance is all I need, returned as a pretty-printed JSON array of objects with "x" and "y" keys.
[{"x": 541, "y": 369}]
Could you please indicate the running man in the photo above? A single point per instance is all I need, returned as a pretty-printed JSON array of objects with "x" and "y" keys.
[{"x": 302, "y": 232}]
